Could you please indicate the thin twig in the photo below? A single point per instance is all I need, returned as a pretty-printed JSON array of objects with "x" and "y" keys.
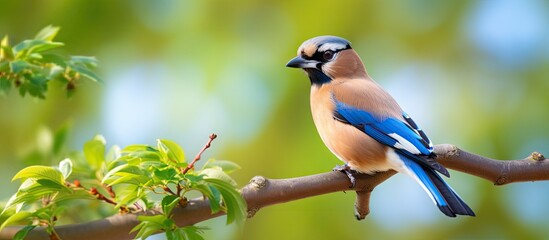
[
  {"x": 93, "y": 191},
  {"x": 98, "y": 195},
  {"x": 168, "y": 190},
  {"x": 199, "y": 155},
  {"x": 109, "y": 190}
]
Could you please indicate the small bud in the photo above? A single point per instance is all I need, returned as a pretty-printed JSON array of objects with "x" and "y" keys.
[
  {"x": 111, "y": 192},
  {"x": 124, "y": 210},
  {"x": 71, "y": 85},
  {"x": 183, "y": 202},
  {"x": 537, "y": 156}
]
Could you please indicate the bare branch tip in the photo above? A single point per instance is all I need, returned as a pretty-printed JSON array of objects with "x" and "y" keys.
[
  {"x": 199, "y": 154},
  {"x": 537, "y": 156}
]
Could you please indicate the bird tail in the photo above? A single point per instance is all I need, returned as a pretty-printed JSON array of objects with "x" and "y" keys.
[{"x": 443, "y": 195}]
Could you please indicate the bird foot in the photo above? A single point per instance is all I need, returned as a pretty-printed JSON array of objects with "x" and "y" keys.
[{"x": 348, "y": 171}]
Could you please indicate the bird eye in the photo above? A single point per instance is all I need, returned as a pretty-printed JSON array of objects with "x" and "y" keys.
[{"x": 328, "y": 55}]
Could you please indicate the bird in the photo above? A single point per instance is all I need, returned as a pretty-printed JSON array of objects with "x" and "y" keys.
[{"x": 364, "y": 126}]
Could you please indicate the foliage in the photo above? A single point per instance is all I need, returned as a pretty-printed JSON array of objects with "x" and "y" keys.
[
  {"x": 126, "y": 179},
  {"x": 30, "y": 65}
]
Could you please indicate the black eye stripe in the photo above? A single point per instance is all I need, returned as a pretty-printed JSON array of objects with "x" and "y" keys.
[{"x": 320, "y": 55}]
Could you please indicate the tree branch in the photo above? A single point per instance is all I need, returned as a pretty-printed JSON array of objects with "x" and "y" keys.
[
  {"x": 532, "y": 168},
  {"x": 262, "y": 192}
]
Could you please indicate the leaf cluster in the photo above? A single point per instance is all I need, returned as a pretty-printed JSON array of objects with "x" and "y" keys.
[
  {"x": 133, "y": 179},
  {"x": 159, "y": 170},
  {"x": 31, "y": 64}
]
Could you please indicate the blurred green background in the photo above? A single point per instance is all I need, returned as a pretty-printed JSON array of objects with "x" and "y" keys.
[{"x": 472, "y": 73}]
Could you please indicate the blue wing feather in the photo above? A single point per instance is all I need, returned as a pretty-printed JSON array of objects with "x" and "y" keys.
[
  {"x": 392, "y": 132},
  {"x": 380, "y": 129}
]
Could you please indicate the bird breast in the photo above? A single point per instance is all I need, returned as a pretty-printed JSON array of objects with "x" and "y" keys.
[{"x": 349, "y": 144}]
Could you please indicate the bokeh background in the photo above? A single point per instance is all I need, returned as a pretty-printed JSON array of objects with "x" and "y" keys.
[{"x": 472, "y": 73}]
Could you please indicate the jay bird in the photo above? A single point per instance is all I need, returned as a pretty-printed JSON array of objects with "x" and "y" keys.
[{"x": 364, "y": 126}]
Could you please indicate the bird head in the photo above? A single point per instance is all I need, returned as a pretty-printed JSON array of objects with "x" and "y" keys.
[{"x": 328, "y": 58}]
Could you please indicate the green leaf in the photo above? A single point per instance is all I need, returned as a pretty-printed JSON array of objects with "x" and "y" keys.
[
  {"x": 5, "y": 86},
  {"x": 37, "y": 85},
  {"x": 235, "y": 204},
  {"x": 6, "y": 52},
  {"x": 20, "y": 65},
  {"x": 217, "y": 173},
  {"x": 168, "y": 203},
  {"x": 4, "y": 66},
  {"x": 54, "y": 58},
  {"x": 23, "y": 89},
  {"x": 138, "y": 228},
  {"x": 192, "y": 232},
  {"x": 227, "y": 166},
  {"x": 21, "y": 234},
  {"x": 94, "y": 151},
  {"x": 137, "y": 147},
  {"x": 40, "y": 172},
  {"x": 65, "y": 167},
  {"x": 84, "y": 71},
  {"x": 43, "y": 213},
  {"x": 129, "y": 194},
  {"x": 4, "y": 41},
  {"x": 151, "y": 224},
  {"x": 170, "y": 151},
  {"x": 56, "y": 73},
  {"x": 56, "y": 210},
  {"x": 84, "y": 60},
  {"x": 143, "y": 156},
  {"x": 113, "y": 154},
  {"x": 34, "y": 57},
  {"x": 35, "y": 191},
  {"x": 120, "y": 170},
  {"x": 34, "y": 46},
  {"x": 51, "y": 185},
  {"x": 28, "y": 193},
  {"x": 148, "y": 229},
  {"x": 47, "y": 33},
  {"x": 173, "y": 234},
  {"x": 212, "y": 194},
  {"x": 76, "y": 194},
  {"x": 194, "y": 177},
  {"x": 215, "y": 199},
  {"x": 129, "y": 178},
  {"x": 165, "y": 174},
  {"x": 15, "y": 218}
]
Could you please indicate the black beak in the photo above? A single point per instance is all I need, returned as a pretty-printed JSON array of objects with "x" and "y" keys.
[{"x": 300, "y": 62}]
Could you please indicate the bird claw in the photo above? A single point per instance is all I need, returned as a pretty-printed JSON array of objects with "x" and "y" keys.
[{"x": 348, "y": 171}]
